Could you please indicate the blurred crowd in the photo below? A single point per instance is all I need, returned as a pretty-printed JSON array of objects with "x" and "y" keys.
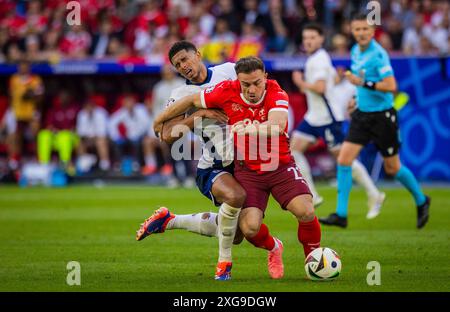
[
  {"x": 142, "y": 30},
  {"x": 87, "y": 134}
]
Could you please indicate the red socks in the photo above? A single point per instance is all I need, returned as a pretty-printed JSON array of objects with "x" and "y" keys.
[
  {"x": 263, "y": 239},
  {"x": 309, "y": 235}
]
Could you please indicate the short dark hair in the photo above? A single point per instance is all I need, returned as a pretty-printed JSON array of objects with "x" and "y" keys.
[
  {"x": 359, "y": 16},
  {"x": 315, "y": 27},
  {"x": 179, "y": 46},
  {"x": 248, "y": 65}
]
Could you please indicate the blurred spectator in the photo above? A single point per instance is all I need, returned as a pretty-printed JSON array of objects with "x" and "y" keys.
[
  {"x": 220, "y": 48},
  {"x": 427, "y": 47},
  {"x": 8, "y": 126},
  {"x": 59, "y": 133},
  {"x": 205, "y": 20},
  {"x": 76, "y": 43},
  {"x": 101, "y": 40},
  {"x": 92, "y": 129},
  {"x": 226, "y": 10},
  {"x": 437, "y": 32},
  {"x": 411, "y": 38},
  {"x": 274, "y": 26},
  {"x": 127, "y": 127},
  {"x": 151, "y": 144},
  {"x": 394, "y": 29},
  {"x": 26, "y": 91},
  {"x": 163, "y": 88},
  {"x": 195, "y": 35},
  {"x": 51, "y": 52},
  {"x": 250, "y": 42},
  {"x": 158, "y": 52},
  {"x": 14, "y": 54},
  {"x": 385, "y": 41},
  {"x": 339, "y": 44}
]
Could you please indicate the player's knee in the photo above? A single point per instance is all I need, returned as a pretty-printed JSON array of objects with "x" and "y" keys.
[
  {"x": 307, "y": 209},
  {"x": 343, "y": 160},
  {"x": 251, "y": 230},
  {"x": 235, "y": 197},
  {"x": 391, "y": 169}
]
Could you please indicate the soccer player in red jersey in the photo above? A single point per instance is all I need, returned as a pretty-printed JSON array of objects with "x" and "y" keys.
[{"x": 257, "y": 109}]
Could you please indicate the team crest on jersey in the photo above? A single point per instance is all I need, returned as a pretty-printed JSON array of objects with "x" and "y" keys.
[
  {"x": 236, "y": 107},
  {"x": 262, "y": 114},
  {"x": 209, "y": 89}
]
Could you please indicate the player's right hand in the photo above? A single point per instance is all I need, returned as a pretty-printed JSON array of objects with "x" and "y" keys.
[{"x": 216, "y": 114}]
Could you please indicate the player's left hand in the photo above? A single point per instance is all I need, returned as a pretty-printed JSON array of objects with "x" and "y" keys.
[{"x": 353, "y": 78}]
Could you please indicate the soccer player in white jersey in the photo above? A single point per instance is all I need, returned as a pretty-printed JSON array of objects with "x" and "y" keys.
[
  {"x": 324, "y": 117},
  {"x": 215, "y": 168}
]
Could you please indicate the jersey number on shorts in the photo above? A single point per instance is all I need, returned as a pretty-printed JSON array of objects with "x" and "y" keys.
[
  {"x": 329, "y": 137},
  {"x": 297, "y": 173}
]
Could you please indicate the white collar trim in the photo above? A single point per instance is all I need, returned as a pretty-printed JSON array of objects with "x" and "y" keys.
[{"x": 253, "y": 104}]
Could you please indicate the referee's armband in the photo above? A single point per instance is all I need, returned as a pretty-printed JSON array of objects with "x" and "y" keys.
[{"x": 369, "y": 85}]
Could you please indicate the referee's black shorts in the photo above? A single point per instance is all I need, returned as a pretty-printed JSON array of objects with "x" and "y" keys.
[{"x": 381, "y": 128}]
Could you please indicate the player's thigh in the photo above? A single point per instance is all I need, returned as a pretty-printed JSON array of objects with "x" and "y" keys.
[
  {"x": 334, "y": 137},
  {"x": 300, "y": 143},
  {"x": 392, "y": 164},
  {"x": 288, "y": 183},
  {"x": 250, "y": 220},
  {"x": 226, "y": 189},
  {"x": 302, "y": 207},
  {"x": 348, "y": 152}
]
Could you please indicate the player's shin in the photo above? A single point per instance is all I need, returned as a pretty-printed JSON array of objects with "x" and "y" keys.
[
  {"x": 309, "y": 235},
  {"x": 405, "y": 177},
  {"x": 263, "y": 239},
  {"x": 204, "y": 223},
  {"x": 361, "y": 176},
  {"x": 344, "y": 177},
  {"x": 305, "y": 169},
  {"x": 227, "y": 224}
]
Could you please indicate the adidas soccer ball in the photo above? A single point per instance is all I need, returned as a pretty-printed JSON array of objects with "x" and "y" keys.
[{"x": 322, "y": 263}]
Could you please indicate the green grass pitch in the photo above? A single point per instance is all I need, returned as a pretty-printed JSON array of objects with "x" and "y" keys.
[{"x": 42, "y": 229}]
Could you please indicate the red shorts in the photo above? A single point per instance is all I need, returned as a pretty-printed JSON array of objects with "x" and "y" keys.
[{"x": 284, "y": 184}]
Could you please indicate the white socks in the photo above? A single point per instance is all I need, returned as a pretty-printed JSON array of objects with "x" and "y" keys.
[
  {"x": 201, "y": 223},
  {"x": 150, "y": 160},
  {"x": 228, "y": 222},
  {"x": 305, "y": 169},
  {"x": 361, "y": 176}
]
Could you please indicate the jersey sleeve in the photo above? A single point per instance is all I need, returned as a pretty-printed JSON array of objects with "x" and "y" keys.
[
  {"x": 213, "y": 97},
  {"x": 278, "y": 102},
  {"x": 320, "y": 69},
  {"x": 181, "y": 92},
  {"x": 384, "y": 67}
]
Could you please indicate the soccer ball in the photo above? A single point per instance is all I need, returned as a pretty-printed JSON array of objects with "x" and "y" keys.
[{"x": 322, "y": 263}]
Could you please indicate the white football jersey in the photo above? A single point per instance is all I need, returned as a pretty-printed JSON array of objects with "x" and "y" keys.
[
  {"x": 322, "y": 109},
  {"x": 217, "y": 149}
]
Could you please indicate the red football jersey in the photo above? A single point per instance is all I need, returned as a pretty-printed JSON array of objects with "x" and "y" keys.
[{"x": 256, "y": 151}]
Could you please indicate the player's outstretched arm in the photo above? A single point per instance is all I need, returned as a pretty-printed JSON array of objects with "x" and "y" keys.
[
  {"x": 175, "y": 128},
  {"x": 178, "y": 108}
]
